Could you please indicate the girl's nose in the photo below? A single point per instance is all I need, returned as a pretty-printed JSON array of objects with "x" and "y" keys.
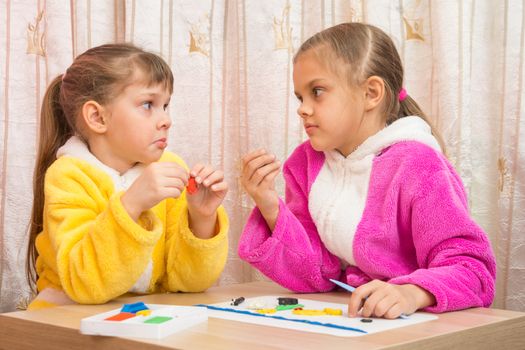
[
  {"x": 165, "y": 121},
  {"x": 304, "y": 110}
]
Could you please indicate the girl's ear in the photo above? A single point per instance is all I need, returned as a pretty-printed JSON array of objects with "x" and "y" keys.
[
  {"x": 375, "y": 92},
  {"x": 93, "y": 115}
]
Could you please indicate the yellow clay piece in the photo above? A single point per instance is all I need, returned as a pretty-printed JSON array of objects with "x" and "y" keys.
[
  {"x": 143, "y": 313},
  {"x": 324, "y": 312},
  {"x": 309, "y": 312},
  {"x": 266, "y": 311},
  {"x": 333, "y": 312}
]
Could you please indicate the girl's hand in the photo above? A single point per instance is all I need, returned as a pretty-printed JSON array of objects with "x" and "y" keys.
[
  {"x": 382, "y": 299},
  {"x": 259, "y": 170},
  {"x": 210, "y": 193},
  {"x": 157, "y": 182}
]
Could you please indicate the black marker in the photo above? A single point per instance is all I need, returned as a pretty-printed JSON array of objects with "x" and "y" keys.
[{"x": 236, "y": 302}]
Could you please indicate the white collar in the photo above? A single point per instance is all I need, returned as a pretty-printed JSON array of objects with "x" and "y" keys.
[
  {"x": 411, "y": 128},
  {"x": 76, "y": 148}
]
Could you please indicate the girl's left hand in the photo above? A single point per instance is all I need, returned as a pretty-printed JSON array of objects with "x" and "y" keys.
[
  {"x": 382, "y": 299},
  {"x": 211, "y": 191}
]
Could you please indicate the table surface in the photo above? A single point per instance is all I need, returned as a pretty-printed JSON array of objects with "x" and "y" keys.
[{"x": 58, "y": 327}]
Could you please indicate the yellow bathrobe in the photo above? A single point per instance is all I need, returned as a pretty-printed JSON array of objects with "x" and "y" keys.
[{"x": 93, "y": 251}]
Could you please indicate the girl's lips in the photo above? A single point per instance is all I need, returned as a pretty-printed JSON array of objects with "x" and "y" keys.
[
  {"x": 161, "y": 143},
  {"x": 309, "y": 128}
]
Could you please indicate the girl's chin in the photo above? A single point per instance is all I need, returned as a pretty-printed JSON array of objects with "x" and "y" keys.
[
  {"x": 151, "y": 158},
  {"x": 318, "y": 147}
]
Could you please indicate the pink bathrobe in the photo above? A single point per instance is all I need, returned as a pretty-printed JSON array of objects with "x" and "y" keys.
[{"x": 415, "y": 228}]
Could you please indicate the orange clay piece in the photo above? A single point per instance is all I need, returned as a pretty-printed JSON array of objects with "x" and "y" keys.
[
  {"x": 120, "y": 317},
  {"x": 192, "y": 185}
]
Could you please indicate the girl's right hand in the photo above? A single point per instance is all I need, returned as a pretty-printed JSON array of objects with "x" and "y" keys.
[
  {"x": 259, "y": 170},
  {"x": 157, "y": 182}
]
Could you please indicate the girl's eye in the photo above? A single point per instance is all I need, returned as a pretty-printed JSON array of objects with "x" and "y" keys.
[
  {"x": 147, "y": 105},
  {"x": 299, "y": 98},
  {"x": 165, "y": 106},
  {"x": 317, "y": 92}
]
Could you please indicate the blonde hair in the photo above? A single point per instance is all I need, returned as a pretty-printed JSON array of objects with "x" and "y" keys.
[
  {"x": 366, "y": 51},
  {"x": 99, "y": 74}
]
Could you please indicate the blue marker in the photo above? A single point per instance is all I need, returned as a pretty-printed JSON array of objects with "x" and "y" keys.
[
  {"x": 352, "y": 289},
  {"x": 343, "y": 285}
]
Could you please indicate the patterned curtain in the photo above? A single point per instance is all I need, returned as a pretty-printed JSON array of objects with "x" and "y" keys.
[{"x": 232, "y": 62}]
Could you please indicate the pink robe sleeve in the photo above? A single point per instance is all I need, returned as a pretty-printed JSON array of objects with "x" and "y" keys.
[
  {"x": 456, "y": 261},
  {"x": 293, "y": 254}
]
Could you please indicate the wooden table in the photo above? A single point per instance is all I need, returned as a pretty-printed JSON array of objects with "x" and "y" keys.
[{"x": 58, "y": 328}]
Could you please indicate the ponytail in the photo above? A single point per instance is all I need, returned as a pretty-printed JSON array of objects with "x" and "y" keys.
[
  {"x": 407, "y": 107},
  {"x": 54, "y": 131},
  {"x": 404, "y": 106}
]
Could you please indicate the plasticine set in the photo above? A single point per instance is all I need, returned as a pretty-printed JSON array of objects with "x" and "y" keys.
[
  {"x": 157, "y": 321},
  {"x": 144, "y": 321}
]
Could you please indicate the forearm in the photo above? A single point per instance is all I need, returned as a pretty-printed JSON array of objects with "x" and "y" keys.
[
  {"x": 130, "y": 205},
  {"x": 270, "y": 215},
  {"x": 269, "y": 211},
  {"x": 203, "y": 227}
]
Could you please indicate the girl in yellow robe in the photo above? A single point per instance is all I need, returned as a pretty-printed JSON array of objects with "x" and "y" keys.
[{"x": 111, "y": 213}]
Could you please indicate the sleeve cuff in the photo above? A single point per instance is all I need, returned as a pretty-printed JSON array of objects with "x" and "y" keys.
[
  {"x": 204, "y": 244},
  {"x": 267, "y": 246},
  {"x": 148, "y": 229}
]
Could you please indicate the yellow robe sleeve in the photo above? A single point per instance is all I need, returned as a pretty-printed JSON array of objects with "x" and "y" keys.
[
  {"x": 100, "y": 251},
  {"x": 192, "y": 264}
]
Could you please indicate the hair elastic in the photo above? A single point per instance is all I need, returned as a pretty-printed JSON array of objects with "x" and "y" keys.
[{"x": 402, "y": 95}]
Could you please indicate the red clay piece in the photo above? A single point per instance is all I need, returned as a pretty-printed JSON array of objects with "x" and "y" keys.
[{"x": 192, "y": 186}]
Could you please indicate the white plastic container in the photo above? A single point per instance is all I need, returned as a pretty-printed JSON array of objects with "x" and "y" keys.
[{"x": 182, "y": 317}]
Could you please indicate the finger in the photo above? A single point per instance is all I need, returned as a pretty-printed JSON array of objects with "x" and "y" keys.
[
  {"x": 177, "y": 172},
  {"x": 271, "y": 176},
  {"x": 252, "y": 155},
  {"x": 196, "y": 169},
  {"x": 203, "y": 174},
  {"x": 174, "y": 182},
  {"x": 358, "y": 298},
  {"x": 260, "y": 174},
  {"x": 220, "y": 186},
  {"x": 372, "y": 301},
  {"x": 257, "y": 163},
  {"x": 354, "y": 304},
  {"x": 170, "y": 166},
  {"x": 170, "y": 192},
  {"x": 394, "y": 312},
  {"x": 384, "y": 305},
  {"x": 269, "y": 179},
  {"x": 214, "y": 177}
]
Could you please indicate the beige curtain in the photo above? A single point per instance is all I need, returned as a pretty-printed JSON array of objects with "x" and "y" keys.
[{"x": 233, "y": 93}]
